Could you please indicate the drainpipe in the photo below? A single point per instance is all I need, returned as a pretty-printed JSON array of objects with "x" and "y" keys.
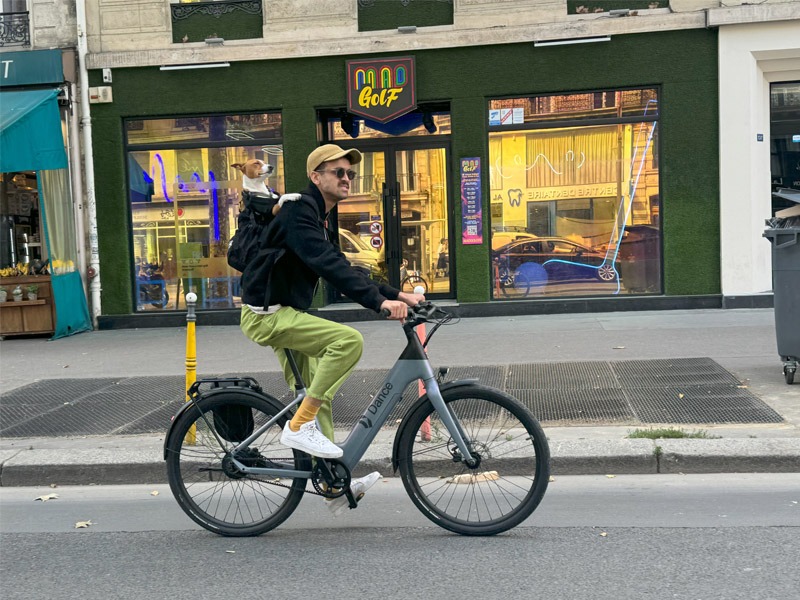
[
  {"x": 93, "y": 272},
  {"x": 77, "y": 183}
]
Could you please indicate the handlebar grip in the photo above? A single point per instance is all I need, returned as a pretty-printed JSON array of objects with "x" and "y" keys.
[{"x": 384, "y": 313}]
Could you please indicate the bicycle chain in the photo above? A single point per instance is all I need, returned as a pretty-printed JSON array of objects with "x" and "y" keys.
[{"x": 288, "y": 487}]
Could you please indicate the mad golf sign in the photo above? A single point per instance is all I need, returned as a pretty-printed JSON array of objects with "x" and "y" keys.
[{"x": 381, "y": 89}]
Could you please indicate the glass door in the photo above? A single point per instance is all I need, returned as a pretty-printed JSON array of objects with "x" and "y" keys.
[{"x": 395, "y": 223}]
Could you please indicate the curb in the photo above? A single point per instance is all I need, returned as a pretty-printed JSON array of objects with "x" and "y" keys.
[{"x": 618, "y": 457}]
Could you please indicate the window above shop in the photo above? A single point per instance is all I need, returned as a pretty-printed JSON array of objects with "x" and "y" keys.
[
  {"x": 637, "y": 103},
  {"x": 223, "y": 129}
]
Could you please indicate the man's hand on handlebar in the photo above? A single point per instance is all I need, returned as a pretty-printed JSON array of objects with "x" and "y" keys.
[
  {"x": 411, "y": 299},
  {"x": 397, "y": 310}
]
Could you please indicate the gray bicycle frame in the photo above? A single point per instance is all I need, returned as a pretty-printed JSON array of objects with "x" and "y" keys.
[{"x": 413, "y": 364}]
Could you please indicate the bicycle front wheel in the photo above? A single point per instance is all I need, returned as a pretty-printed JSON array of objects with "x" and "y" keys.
[
  {"x": 513, "y": 468},
  {"x": 205, "y": 481}
]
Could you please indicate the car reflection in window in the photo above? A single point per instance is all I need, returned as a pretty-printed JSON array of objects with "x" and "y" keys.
[{"x": 561, "y": 259}]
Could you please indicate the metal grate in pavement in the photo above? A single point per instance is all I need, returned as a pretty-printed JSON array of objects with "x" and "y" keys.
[
  {"x": 556, "y": 376},
  {"x": 634, "y": 392},
  {"x": 583, "y": 407},
  {"x": 699, "y": 404},
  {"x": 55, "y": 391},
  {"x": 668, "y": 372}
]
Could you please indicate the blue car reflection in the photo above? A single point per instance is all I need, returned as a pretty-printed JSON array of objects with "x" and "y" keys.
[{"x": 555, "y": 259}]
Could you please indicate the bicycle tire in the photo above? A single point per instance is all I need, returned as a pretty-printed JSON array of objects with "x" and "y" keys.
[
  {"x": 240, "y": 505},
  {"x": 522, "y": 284},
  {"x": 507, "y": 485}
]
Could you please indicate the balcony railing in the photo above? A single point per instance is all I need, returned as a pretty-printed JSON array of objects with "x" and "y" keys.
[{"x": 15, "y": 29}]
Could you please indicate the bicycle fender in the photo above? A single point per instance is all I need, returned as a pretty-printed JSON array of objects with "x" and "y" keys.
[
  {"x": 210, "y": 394},
  {"x": 449, "y": 385}
]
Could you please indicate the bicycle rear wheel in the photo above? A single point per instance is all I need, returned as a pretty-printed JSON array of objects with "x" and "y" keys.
[
  {"x": 207, "y": 485},
  {"x": 495, "y": 495}
]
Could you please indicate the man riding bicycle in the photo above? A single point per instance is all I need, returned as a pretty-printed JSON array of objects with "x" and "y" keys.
[{"x": 278, "y": 287}]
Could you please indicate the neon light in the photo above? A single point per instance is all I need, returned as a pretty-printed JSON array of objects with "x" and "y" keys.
[
  {"x": 386, "y": 77},
  {"x": 163, "y": 177},
  {"x": 196, "y": 179},
  {"x": 181, "y": 183},
  {"x": 400, "y": 76},
  {"x": 215, "y": 200},
  {"x": 361, "y": 78}
]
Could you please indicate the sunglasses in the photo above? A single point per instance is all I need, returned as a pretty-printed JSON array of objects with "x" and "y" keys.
[{"x": 340, "y": 172}]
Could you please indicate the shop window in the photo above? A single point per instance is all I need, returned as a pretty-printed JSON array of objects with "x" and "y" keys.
[
  {"x": 579, "y": 173},
  {"x": 184, "y": 198},
  {"x": 785, "y": 144}
]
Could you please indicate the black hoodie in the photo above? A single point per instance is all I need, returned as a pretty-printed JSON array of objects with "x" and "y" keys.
[{"x": 296, "y": 252}]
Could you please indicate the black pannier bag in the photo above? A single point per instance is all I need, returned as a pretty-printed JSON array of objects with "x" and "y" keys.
[{"x": 234, "y": 422}]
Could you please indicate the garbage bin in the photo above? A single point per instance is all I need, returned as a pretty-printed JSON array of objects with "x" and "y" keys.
[{"x": 786, "y": 292}]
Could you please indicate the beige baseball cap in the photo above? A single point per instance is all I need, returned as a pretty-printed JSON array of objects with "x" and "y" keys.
[{"x": 330, "y": 152}]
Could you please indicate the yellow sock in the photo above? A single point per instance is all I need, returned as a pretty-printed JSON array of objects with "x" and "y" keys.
[{"x": 304, "y": 414}]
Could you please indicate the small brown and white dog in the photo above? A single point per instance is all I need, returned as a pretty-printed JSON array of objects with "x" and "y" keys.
[{"x": 255, "y": 173}]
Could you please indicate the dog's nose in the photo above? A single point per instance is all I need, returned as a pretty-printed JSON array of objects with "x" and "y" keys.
[{"x": 267, "y": 169}]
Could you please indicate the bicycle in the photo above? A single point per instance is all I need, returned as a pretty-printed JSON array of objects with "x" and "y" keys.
[{"x": 472, "y": 458}]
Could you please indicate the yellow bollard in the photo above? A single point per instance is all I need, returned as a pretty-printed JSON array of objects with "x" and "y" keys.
[{"x": 191, "y": 353}]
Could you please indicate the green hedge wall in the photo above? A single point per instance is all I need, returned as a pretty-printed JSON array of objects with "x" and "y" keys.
[{"x": 467, "y": 78}]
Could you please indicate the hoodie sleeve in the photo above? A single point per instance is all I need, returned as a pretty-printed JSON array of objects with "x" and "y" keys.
[{"x": 305, "y": 237}]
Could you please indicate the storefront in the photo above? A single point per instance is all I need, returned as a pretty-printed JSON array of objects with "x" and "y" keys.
[
  {"x": 38, "y": 240},
  {"x": 507, "y": 178}
]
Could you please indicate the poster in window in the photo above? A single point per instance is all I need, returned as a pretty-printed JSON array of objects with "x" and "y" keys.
[{"x": 471, "y": 214}]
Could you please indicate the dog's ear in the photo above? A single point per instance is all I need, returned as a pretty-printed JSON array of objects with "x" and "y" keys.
[{"x": 238, "y": 166}]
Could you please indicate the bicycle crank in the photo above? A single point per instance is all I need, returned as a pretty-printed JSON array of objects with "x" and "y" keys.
[{"x": 330, "y": 477}]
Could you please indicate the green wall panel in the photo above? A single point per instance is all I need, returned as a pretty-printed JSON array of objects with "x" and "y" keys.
[
  {"x": 682, "y": 63},
  {"x": 391, "y": 14}
]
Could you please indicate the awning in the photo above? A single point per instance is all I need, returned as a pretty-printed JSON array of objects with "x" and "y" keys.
[{"x": 30, "y": 131}]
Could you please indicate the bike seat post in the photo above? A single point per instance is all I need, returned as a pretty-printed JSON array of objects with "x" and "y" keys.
[{"x": 299, "y": 383}]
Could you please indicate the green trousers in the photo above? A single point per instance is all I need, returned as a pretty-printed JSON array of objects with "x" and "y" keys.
[{"x": 326, "y": 352}]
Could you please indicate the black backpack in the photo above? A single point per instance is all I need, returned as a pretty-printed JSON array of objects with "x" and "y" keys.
[{"x": 253, "y": 222}]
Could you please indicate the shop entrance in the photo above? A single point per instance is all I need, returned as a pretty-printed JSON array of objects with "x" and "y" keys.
[{"x": 395, "y": 222}]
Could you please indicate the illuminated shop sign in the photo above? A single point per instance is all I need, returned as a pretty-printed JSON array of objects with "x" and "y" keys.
[{"x": 381, "y": 89}]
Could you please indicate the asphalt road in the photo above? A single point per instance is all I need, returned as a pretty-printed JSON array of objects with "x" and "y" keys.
[{"x": 645, "y": 536}]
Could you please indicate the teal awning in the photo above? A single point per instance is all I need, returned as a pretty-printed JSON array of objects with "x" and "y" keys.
[{"x": 30, "y": 131}]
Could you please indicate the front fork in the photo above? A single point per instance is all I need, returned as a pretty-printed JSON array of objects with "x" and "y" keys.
[{"x": 451, "y": 423}]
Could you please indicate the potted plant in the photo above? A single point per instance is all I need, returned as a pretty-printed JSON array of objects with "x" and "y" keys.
[
  {"x": 16, "y": 293},
  {"x": 3, "y": 294},
  {"x": 33, "y": 291}
]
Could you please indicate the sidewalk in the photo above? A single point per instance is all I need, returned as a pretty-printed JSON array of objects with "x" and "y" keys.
[{"x": 741, "y": 342}]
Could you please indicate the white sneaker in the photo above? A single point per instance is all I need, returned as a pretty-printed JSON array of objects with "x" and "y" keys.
[
  {"x": 359, "y": 487},
  {"x": 309, "y": 439}
]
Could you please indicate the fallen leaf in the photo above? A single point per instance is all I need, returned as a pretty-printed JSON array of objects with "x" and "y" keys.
[
  {"x": 154, "y": 493},
  {"x": 618, "y": 348},
  {"x": 53, "y": 485},
  {"x": 552, "y": 479},
  {"x": 680, "y": 395},
  {"x": 603, "y": 534},
  {"x": 47, "y": 497},
  {"x": 611, "y": 476},
  {"x": 83, "y": 524},
  {"x": 230, "y": 551}
]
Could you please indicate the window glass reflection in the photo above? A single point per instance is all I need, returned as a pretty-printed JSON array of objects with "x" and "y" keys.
[
  {"x": 575, "y": 210},
  {"x": 184, "y": 209}
]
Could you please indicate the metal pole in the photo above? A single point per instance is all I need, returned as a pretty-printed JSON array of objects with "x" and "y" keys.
[
  {"x": 93, "y": 272},
  {"x": 191, "y": 353}
]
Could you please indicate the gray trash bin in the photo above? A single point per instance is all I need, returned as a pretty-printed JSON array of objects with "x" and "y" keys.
[{"x": 786, "y": 290}]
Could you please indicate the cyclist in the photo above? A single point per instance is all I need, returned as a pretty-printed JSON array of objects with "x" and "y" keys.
[{"x": 279, "y": 286}]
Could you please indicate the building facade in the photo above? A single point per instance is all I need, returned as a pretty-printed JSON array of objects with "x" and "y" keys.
[
  {"x": 41, "y": 193},
  {"x": 520, "y": 156}
]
